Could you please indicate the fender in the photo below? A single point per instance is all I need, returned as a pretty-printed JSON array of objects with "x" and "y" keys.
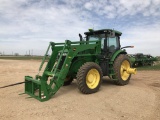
[
  {"x": 77, "y": 63},
  {"x": 114, "y": 56}
]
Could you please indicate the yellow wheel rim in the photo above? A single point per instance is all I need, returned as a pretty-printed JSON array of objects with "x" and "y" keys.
[
  {"x": 123, "y": 70},
  {"x": 92, "y": 78}
]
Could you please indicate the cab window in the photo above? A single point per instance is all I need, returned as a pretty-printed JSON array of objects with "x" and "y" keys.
[
  {"x": 112, "y": 44},
  {"x": 93, "y": 38}
]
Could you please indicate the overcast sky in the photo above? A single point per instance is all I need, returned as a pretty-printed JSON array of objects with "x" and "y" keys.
[{"x": 31, "y": 24}]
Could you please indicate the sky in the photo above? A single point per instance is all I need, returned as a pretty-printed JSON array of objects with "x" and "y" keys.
[{"x": 29, "y": 25}]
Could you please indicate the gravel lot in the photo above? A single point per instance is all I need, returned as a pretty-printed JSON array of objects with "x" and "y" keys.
[{"x": 139, "y": 100}]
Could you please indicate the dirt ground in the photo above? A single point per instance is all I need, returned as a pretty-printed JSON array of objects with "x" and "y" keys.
[{"x": 139, "y": 100}]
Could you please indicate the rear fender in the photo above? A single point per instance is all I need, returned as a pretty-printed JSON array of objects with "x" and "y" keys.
[{"x": 117, "y": 53}]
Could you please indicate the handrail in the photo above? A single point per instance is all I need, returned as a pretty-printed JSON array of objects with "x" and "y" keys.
[
  {"x": 59, "y": 59},
  {"x": 76, "y": 42}
]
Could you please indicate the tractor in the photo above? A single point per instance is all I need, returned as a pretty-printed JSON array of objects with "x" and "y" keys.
[
  {"x": 96, "y": 55},
  {"x": 144, "y": 60}
]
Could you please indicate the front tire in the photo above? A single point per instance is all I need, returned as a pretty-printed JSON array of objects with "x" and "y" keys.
[{"x": 89, "y": 78}]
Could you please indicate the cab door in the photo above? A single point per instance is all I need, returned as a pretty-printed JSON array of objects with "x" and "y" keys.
[{"x": 113, "y": 45}]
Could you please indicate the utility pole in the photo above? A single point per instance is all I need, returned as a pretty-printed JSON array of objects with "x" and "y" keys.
[{"x": 32, "y": 52}]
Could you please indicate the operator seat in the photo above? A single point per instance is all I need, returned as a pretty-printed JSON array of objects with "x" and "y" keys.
[{"x": 112, "y": 48}]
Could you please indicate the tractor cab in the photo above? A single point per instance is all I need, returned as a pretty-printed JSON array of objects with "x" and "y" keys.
[{"x": 110, "y": 39}]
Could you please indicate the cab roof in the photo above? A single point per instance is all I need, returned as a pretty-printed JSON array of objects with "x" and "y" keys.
[{"x": 91, "y": 31}]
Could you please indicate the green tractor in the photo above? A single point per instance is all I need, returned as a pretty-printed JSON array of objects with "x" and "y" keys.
[
  {"x": 88, "y": 60},
  {"x": 144, "y": 60}
]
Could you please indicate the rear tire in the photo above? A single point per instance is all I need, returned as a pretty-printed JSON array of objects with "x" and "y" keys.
[
  {"x": 89, "y": 78},
  {"x": 121, "y": 63}
]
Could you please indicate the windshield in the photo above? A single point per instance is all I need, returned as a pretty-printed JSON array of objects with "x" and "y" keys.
[{"x": 96, "y": 37}]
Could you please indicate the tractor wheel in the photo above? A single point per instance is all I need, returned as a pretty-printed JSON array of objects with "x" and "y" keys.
[
  {"x": 121, "y": 64},
  {"x": 68, "y": 80},
  {"x": 89, "y": 78}
]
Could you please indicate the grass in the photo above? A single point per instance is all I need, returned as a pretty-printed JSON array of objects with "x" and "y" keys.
[
  {"x": 22, "y": 57},
  {"x": 156, "y": 67}
]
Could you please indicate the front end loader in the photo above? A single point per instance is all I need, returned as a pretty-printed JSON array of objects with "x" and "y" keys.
[{"x": 87, "y": 60}]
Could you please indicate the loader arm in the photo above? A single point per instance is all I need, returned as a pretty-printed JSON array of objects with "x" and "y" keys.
[{"x": 56, "y": 70}]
